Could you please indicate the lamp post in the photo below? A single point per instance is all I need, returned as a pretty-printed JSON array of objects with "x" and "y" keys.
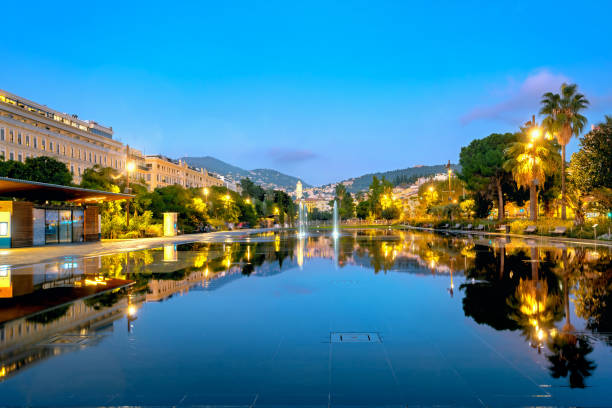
[
  {"x": 535, "y": 133},
  {"x": 129, "y": 168},
  {"x": 450, "y": 172},
  {"x": 205, "y": 191}
]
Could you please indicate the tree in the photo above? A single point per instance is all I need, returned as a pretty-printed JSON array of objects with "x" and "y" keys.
[
  {"x": 252, "y": 190},
  {"x": 564, "y": 120},
  {"x": 530, "y": 161},
  {"x": 346, "y": 208},
  {"x": 482, "y": 166},
  {"x": 482, "y": 205},
  {"x": 592, "y": 164},
  {"x": 99, "y": 178},
  {"x": 42, "y": 169},
  {"x": 363, "y": 209}
]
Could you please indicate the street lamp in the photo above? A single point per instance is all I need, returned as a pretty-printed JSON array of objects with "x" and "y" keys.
[
  {"x": 535, "y": 133},
  {"x": 130, "y": 166},
  {"x": 205, "y": 191}
]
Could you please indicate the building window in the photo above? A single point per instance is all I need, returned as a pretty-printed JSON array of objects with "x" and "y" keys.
[
  {"x": 18, "y": 137},
  {"x": 1, "y": 134},
  {"x": 51, "y": 146},
  {"x": 72, "y": 169},
  {"x": 11, "y": 136},
  {"x": 43, "y": 144},
  {"x": 28, "y": 140},
  {"x": 2, "y": 155},
  {"x": 58, "y": 148},
  {"x": 35, "y": 142},
  {"x": 11, "y": 156},
  {"x": 72, "y": 152},
  {"x": 90, "y": 157},
  {"x": 19, "y": 157}
]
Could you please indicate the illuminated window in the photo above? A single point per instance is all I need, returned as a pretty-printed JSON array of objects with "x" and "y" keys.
[
  {"x": 43, "y": 144},
  {"x": 28, "y": 140}
]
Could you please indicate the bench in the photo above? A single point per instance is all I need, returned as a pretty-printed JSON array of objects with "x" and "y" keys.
[
  {"x": 559, "y": 231},
  {"x": 531, "y": 229},
  {"x": 503, "y": 228},
  {"x": 468, "y": 227},
  {"x": 479, "y": 228},
  {"x": 457, "y": 226},
  {"x": 445, "y": 226}
]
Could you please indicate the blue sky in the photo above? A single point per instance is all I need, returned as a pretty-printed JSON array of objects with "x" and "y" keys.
[{"x": 321, "y": 90}]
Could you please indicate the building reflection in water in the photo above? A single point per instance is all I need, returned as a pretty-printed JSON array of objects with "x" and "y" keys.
[{"x": 518, "y": 286}]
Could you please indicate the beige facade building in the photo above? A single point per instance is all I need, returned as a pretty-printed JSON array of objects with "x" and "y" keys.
[
  {"x": 162, "y": 171},
  {"x": 28, "y": 129}
]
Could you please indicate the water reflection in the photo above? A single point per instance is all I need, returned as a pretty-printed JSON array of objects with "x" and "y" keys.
[{"x": 557, "y": 298}]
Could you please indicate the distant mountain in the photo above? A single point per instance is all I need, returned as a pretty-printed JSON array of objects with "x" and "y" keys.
[
  {"x": 267, "y": 178},
  {"x": 363, "y": 182}
]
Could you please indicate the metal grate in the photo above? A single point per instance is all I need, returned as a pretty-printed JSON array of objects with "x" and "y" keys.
[
  {"x": 69, "y": 340},
  {"x": 355, "y": 337}
]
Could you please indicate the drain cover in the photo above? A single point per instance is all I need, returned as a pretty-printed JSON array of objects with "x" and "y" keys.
[
  {"x": 69, "y": 340},
  {"x": 354, "y": 337}
]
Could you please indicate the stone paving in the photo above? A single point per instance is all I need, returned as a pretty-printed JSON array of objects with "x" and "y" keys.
[{"x": 22, "y": 256}]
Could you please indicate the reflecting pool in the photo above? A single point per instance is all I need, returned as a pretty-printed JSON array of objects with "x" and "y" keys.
[{"x": 374, "y": 317}]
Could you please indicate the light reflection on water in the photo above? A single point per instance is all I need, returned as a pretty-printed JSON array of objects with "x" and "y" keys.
[{"x": 522, "y": 319}]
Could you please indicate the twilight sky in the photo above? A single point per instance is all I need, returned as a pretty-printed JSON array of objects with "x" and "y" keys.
[{"x": 320, "y": 90}]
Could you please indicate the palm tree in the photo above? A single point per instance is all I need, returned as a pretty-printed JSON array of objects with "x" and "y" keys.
[
  {"x": 564, "y": 120},
  {"x": 530, "y": 161}
]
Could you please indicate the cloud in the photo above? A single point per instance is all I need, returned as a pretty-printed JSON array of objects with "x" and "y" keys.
[
  {"x": 519, "y": 98},
  {"x": 281, "y": 155}
]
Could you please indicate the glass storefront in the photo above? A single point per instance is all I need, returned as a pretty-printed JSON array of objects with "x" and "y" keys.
[
  {"x": 63, "y": 226},
  {"x": 78, "y": 225},
  {"x": 51, "y": 226}
]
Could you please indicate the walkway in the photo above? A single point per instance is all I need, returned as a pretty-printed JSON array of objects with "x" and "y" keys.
[
  {"x": 567, "y": 240},
  {"x": 22, "y": 256}
]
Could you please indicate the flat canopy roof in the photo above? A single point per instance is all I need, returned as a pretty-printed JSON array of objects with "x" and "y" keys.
[{"x": 33, "y": 190}]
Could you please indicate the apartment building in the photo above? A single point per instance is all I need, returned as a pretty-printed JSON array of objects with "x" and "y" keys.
[
  {"x": 29, "y": 129},
  {"x": 163, "y": 171}
]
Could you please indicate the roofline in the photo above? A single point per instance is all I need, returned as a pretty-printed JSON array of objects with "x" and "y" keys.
[{"x": 71, "y": 188}]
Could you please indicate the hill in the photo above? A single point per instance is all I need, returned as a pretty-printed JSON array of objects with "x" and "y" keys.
[
  {"x": 267, "y": 178},
  {"x": 363, "y": 182}
]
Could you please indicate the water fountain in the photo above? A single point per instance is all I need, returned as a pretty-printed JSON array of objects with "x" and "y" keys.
[
  {"x": 336, "y": 229},
  {"x": 302, "y": 220}
]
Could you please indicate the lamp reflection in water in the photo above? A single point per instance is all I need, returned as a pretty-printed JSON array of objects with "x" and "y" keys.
[{"x": 132, "y": 314}]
